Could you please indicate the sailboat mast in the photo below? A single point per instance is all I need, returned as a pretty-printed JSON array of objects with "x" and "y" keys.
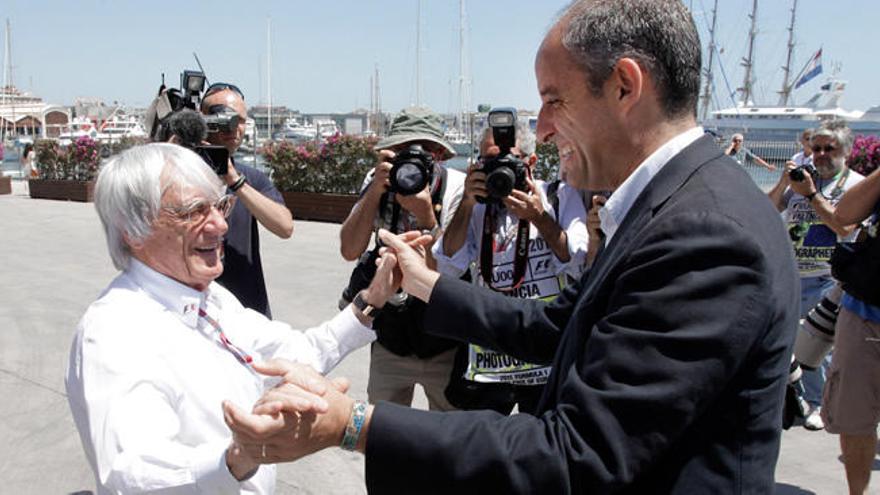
[
  {"x": 747, "y": 62},
  {"x": 419, "y": 53},
  {"x": 707, "y": 91},
  {"x": 785, "y": 92},
  {"x": 7, "y": 80},
  {"x": 269, "y": 76},
  {"x": 461, "y": 88}
]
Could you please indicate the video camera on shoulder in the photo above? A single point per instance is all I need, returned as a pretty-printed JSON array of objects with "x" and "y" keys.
[
  {"x": 504, "y": 172},
  {"x": 797, "y": 174},
  {"x": 411, "y": 171}
]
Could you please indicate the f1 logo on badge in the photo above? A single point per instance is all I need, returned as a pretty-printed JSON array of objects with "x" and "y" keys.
[{"x": 542, "y": 266}]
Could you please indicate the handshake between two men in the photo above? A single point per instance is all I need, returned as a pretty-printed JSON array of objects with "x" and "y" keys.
[{"x": 307, "y": 412}]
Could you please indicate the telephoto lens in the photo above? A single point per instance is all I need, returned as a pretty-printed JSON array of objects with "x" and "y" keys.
[{"x": 815, "y": 336}]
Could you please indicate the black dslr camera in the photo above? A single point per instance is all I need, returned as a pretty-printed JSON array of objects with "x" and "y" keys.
[
  {"x": 504, "y": 172},
  {"x": 797, "y": 174},
  {"x": 412, "y": 169}
]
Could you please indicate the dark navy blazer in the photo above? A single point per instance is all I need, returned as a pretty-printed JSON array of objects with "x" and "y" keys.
[{"x": 670, "y": 358}]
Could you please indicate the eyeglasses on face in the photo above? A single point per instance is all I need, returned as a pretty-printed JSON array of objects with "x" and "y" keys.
[
  {"x": 827, "y": 148},
  {"x": 198, "y": 210},
  {"x": 220, "y": 86}
]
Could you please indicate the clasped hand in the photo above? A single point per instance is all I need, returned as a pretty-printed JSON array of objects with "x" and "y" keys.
[{"x": 307, "y": 412}]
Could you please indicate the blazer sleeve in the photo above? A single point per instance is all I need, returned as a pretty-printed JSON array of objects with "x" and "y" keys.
[
  {"x": 688, "y": 305},
  {"x": 527, "y": 329}
]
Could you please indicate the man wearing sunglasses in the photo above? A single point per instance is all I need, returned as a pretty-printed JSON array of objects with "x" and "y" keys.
[
  {"x": 258, "y": 201},
  {"x": 164, "y": 346},
  {"x": 807, "y": 207}
]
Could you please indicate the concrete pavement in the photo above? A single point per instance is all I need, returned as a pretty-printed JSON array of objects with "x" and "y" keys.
[{"x": 55, "y": 263}]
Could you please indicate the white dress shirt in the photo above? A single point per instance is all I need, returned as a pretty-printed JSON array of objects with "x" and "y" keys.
[
  {"x": 147, "y": 376},
  {"x": 622, "y": 199}
]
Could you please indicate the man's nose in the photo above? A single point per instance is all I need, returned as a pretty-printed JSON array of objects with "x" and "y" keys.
[
  {"x": 545, "y": 129},
  {"x": 216, "y": 223}
]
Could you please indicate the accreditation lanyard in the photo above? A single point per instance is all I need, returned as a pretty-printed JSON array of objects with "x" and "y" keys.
[
  {"x": 243, "y": 357},
  {"x": 487, "y": 249}
]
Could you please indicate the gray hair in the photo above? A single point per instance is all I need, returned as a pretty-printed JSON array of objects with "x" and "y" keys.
[
  {"x": 838, "y": 131},
  {"x": 129, "y": 190},
  {"x": 658, "y": 34},
  {"x": 525, "y": 137}
]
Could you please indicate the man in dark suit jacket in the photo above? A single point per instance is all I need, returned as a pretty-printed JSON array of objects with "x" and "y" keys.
[{"x": 669, "y": 356}]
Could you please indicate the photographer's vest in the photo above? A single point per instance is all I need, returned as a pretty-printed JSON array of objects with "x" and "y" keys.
[
  {"x": 814, "y": 241},
  {"x": 540, "y": 282}
]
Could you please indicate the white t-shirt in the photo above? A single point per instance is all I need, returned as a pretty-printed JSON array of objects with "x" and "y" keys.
[
  {"x": 800, "y": 159},
  {"x": 813, "y": 240},
  {"x": 544, "y": 275}
]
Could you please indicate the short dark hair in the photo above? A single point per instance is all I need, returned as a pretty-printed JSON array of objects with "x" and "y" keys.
[{"x": 658, "y": 34}]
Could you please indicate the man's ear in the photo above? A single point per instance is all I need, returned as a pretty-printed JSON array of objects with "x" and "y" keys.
[
  {"x": 629, "y": 80},
  {"x": 533, "y": 159},
  {"x": 132, "y": 244}
]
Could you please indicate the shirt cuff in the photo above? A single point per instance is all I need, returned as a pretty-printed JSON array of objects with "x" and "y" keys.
[
  {"x": 450, "y": 265},
  {"x": 210, "y": 470}
]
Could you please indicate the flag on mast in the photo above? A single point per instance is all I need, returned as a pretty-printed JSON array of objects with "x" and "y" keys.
[{"x": 813, "y": 69}]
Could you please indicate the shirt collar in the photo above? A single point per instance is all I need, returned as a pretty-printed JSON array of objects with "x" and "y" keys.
[
  {"x": 618, "y": 205},
  {"x": 177, "y": 298}
]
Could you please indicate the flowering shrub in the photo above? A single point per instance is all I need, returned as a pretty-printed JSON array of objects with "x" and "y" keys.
[
  {"x": 336, "y": 166},
  {"x": 79, "y": 160},
  {"x": 547, "y": 166},
  {"x": 83, "y": 157},
  {"x": 865, "y": 156}
]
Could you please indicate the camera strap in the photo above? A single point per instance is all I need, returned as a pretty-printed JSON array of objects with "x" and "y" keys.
[
  {"x": 487, "y": 249},
  {"x": 439, "y": 188}
]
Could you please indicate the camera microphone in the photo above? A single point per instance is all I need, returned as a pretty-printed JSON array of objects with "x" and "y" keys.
[{"x": 188, "y": 125}]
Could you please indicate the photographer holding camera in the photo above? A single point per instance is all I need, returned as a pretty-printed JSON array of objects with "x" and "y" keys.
[
  {"x": 409, "y": 189},
  {"x": 850, "y": 401},
  {"x": 806, "y": 195},
  {"x": 258, "y": 200},
  {"x": 523, "y": 236}
]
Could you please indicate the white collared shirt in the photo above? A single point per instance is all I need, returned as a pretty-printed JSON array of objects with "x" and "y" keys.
[
  {"x": 147, "y": 377},
  {"x": 622, "y": 199}
]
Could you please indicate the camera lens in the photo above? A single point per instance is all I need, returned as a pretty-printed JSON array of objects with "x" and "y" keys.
[
  {"x": 499, "y": 183},
  {"x": 409, "y": 178},
  {"x": 796, "y": 175}
]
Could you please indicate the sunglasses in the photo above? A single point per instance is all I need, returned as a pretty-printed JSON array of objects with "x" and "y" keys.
[
  {"x": 221, "y": 86},
  {"x": 827, "y": 148},
  {"x": 198, "y": 210}
]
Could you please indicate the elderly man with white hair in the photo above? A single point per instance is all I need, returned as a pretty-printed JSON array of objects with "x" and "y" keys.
[{"x": 161, "y": 349}]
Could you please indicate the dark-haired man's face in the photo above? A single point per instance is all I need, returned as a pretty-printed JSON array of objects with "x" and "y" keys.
[{"x": 571, "y": 115}]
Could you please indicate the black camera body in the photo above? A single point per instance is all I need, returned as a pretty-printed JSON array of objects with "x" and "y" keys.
[
  {"x": 797, "y": 174},
  {"x": 411, "y": 171},
  {"x": 221, "y": 118},
  {"x": 504, "y": 172}
]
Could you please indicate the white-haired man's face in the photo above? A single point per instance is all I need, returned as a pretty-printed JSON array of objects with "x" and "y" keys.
[{"x": 187, "y": 239}]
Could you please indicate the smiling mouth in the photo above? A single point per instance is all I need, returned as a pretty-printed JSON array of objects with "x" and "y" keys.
[{"x": 211, "y": 249}]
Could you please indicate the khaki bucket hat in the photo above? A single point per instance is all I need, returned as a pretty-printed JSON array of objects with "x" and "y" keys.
[{"x": 416, "y": 124}]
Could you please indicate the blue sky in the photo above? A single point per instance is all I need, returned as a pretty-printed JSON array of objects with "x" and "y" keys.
[{"x": 324, "y": 52}]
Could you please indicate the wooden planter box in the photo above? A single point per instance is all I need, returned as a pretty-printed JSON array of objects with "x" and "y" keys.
[
  {"x": 69, "y": 190},
  {"x": 5, "y": 185},
  {"x": 320, "y": 207}
]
